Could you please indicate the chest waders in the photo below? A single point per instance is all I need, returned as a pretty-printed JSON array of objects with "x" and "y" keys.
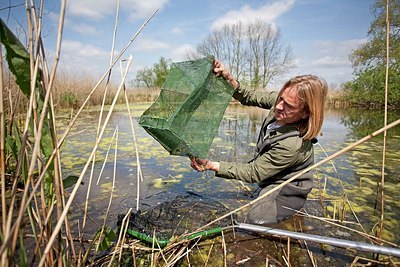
[{"x": 274, "y": 208}]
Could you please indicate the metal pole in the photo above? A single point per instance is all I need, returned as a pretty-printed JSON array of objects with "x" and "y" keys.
[{"x": 322, "y": 239}]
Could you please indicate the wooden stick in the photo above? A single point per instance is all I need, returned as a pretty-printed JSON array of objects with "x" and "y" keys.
[
  {"x": 138, "y": 167},
  {"x": 385, "y": 121},
  {"x": 3, "y": 257}
]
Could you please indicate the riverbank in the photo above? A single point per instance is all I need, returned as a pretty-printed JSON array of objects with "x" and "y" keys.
[{"x": 72, "y": 90}]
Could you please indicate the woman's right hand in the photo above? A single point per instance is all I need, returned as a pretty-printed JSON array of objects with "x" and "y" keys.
[{"x": 221, "y": 71}]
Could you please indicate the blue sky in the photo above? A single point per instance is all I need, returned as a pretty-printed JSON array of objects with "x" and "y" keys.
[{"x": 321, "y": 33}]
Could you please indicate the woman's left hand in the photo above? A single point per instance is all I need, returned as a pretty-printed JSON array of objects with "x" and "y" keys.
[{"x": 203, "y": 164}]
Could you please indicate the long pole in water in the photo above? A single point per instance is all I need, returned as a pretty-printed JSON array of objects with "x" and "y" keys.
[{"x": 322, "y": 239}]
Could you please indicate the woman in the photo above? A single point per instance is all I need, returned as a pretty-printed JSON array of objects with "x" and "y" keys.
[{"x": 284, "y": 146}]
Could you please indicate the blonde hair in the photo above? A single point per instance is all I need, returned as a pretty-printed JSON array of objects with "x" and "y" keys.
[{"x": 312, "y": 92}]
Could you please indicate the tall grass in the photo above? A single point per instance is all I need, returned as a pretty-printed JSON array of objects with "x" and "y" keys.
[
  {"x": 32, "y": 148},
  {"x": 70, "y": 90}
]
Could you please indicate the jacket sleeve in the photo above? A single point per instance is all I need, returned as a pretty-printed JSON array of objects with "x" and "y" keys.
[
  {"x": 278, "y": 158},
  {"x": 262, "y": 99}
]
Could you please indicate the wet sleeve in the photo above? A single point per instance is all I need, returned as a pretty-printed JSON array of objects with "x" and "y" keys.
[
  {"x": 267, "y": 165},
  {"x": 262, "y": 99}
]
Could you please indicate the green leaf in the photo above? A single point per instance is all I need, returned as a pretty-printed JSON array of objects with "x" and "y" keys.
[
  {"x": 11, "y": 147},
  {"x": 17, "y": 58},
  {"x": 106, "y": 240},
  {"x": 23, "y": 258},
  {"x": 70, "y": 181},
  {"x": 46, "y": 143}
]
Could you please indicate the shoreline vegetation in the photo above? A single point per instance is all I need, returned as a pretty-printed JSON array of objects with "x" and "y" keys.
[{"x": 70, "y": 92}]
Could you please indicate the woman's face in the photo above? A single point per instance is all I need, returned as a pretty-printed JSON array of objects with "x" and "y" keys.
[{"x": 289, "y": 108}]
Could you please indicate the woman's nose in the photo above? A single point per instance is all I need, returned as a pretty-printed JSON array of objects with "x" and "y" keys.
[{"x": 279, "y": 105}]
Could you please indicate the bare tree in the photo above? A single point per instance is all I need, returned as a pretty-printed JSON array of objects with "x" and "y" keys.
[
  {"x": 237, "y": 50},
  {"x": 266, "y": 58},
  {"x": 253, "y": 53},
  {"x": 227, "y": 45},
  {"x": 211, "y": 45},
  {"x": 255, "y": 34}
]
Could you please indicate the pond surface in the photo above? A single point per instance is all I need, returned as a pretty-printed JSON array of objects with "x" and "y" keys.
[{"x": 345, "y": 189}]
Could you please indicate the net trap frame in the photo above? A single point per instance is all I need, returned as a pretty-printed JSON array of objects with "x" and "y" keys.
[{"x": 176, "y": 220}]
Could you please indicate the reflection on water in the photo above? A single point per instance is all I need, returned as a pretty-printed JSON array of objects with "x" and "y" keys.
[{"x": 352, "y": 178}]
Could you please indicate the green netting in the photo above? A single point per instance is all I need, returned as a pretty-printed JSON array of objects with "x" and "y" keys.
[
  {"x": 176, "y": 217},
  {"x": 186, "y": 115}
]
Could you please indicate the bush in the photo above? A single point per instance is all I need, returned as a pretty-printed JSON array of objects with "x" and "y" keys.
[
  {"x": 368, "y": 88},
  {"x": 68, "y": 100}
]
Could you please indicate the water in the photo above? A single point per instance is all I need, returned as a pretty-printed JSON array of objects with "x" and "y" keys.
[{"x": 346, "y": 188}]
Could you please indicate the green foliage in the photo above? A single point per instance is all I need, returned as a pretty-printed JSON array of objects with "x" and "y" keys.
[
  {"x": 160, "y": 70},
  {"x": 69, "y": 100},
  {"x": 13, "y": 146},
  {"x": 23, "y": 258},
  {"x": 154, "y": 77},
  {"x": 144, "y": 77},
  {"x": 373, "y": 52},
  {"x": 18, "y": 60},
  {"x": 369, "y": 61},
  {"x": 70, "y": 181},
  {"x": 105, "y": 240},
  {"x": 369, "y": 87}
]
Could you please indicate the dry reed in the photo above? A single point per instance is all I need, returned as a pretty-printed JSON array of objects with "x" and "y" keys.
[{"x": 39, "y": 212}]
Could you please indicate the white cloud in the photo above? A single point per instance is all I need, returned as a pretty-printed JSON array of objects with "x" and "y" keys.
[
  {"x": 77, "y": 57},
  {"x": 78, "y": 49},
  {"x": 54, "y": 17},
  {"x": 328, "y": 53},
  {"x": 267, "y": 13},
  {"x": 148, "y": 45},
  {"x": 140, "y": 9},
  {"x": 181, "y": 52},
  {"x": 90, "y": 9},
  {"x": 337, "y": 47},
  {"x": 331, "y": 62},
  {"x": 95, "y": 10},
  {"x": 328, "y": 59},
  {"x": 85, "y": 29},
  {"x": 334, "y": 54},
  {"x": 177, "y": 31}
]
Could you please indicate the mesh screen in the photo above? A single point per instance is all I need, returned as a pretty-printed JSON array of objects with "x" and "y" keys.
[
  {"x": 183, "y": 214},
  {"x": 186, "y": 115}
]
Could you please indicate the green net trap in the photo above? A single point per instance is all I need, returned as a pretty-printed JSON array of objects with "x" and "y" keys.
[
  {"x": 186, "y": 115},
  {"x": 175, "y": 217}
]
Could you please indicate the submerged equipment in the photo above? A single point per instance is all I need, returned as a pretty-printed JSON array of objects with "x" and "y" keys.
[
  {"x": 185, "y": 117},
  {"x": 177, "y": 219}
]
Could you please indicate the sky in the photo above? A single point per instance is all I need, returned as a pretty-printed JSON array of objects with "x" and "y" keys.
[{"x": 321, "y": 33}]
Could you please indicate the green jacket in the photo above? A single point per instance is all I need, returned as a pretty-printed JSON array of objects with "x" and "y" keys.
[{"x": 282, "y": 160}]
